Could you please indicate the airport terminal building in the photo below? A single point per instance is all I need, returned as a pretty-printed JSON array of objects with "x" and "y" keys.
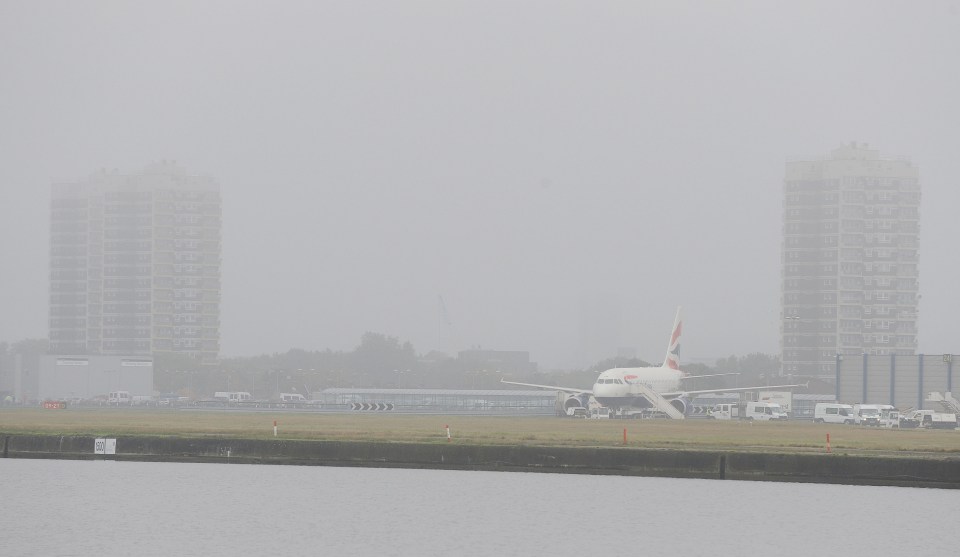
[{"x": 441, "y": 401}]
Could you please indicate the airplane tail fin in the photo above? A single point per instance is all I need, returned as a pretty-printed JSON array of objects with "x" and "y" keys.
[{"x": 672, "y": 360}]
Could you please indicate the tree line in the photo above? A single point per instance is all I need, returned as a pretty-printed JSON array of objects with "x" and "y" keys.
[{"x": 380, "y": 361}]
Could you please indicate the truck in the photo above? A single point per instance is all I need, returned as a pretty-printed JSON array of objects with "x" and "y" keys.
[
  {"x": 889, "y": 417},
  {"x": 292, "y": 397},
  {"x": 764, "y": 411},
  {"x": 783, "y": 398},
  {"x": 600, "y": 412},
  {"x": 635, "y": 414},
  {"x": 929, "y": 419}
]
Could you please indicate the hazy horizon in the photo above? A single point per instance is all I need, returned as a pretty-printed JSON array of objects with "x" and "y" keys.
[{"x": 563, "y": 175}]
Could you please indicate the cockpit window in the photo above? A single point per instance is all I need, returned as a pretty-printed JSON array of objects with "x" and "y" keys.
[{"x": 618, "y": 382}]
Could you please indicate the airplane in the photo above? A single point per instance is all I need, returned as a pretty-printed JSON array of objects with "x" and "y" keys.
[{"x": 646, "y": 388}]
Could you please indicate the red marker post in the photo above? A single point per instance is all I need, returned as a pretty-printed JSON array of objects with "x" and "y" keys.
[
  {"x": 448, "y": 432},
  {"x": 828, "y": 442},
  {"x": 274, "y": 428},
  {"x": 624, "y": 436}
]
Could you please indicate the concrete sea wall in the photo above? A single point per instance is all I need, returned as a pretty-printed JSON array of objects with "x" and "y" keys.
[{"x": 943, "y": 472}]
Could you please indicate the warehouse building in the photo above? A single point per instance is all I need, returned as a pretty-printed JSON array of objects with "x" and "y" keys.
[{"x": 903, "y": 381}]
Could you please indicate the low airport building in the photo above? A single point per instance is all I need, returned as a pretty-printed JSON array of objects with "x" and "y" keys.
[
  {"x": 86, "y": 377},
  {"x": 440, "y": 401},
  {"x": 903, "y": 381}
]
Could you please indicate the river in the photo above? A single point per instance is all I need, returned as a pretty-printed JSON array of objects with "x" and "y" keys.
[{"x": 61, "y": 507}]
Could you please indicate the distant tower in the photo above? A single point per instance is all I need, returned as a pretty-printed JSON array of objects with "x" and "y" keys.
[
  {"x": 849, "y": 259},
  {"x": 135, "y": 264}
]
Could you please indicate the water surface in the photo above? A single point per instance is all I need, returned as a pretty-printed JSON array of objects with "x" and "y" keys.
[{"x": 60, "y": 507}]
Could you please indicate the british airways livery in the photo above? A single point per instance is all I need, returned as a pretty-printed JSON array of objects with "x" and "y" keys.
[{"x": 653, "y": 387}]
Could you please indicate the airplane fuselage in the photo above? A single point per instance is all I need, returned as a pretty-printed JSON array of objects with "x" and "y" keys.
[
  {"x": 645, "y": 387},
  {"x": 617, "y": 387}
]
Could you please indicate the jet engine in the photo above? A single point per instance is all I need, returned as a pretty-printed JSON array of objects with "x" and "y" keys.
[
  {"x": 576, "y": 401},
  {"x": 682, "y": 404}
]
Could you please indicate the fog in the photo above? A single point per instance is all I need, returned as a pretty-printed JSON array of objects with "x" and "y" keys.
[{"x": 563, "y": 174}]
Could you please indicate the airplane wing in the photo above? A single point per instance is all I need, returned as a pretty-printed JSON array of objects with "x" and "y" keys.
[
  {"x": 685, "y": 377},
  {"x": 734, "y": 390},
  {"x": 552, "y": 388}
]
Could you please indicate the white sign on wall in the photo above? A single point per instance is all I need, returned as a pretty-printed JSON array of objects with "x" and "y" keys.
[{"x": 105, "y": 446}]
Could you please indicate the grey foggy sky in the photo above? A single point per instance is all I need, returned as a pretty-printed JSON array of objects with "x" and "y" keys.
[{"x": 523, "y": 159}]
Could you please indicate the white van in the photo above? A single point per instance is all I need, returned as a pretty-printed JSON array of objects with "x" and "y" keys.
[
  {"x": 833, "y": 413},
  {"x": 764, "y": 411},
  {"x": 725, "y": 411},
  {"x": 868, "y": 414},
  {"x": 232, "y": 396},
  {"x": 143, "y": 400},
  {"x": 292, "y": 397},
  {"x": 120, "y": 398}
]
